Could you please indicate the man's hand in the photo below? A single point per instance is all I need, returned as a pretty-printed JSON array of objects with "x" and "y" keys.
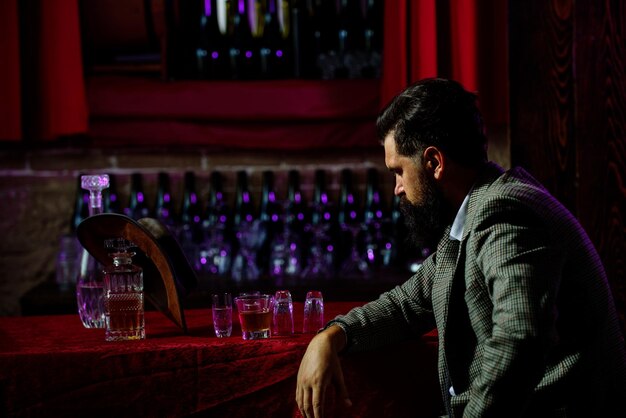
[{"x": 319, "y": 368}]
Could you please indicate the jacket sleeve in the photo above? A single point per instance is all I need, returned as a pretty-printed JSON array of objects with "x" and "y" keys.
[{"x": 401, "y": 313}]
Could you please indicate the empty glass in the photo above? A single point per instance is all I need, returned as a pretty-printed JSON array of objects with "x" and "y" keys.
[
  {"x": 313, "y": 312},
  {"x": 222, "y": 311},
  {"x": 283, "y": 313}
]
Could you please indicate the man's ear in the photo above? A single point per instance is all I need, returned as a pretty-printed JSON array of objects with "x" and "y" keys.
[{"x": 434, "y": 162}]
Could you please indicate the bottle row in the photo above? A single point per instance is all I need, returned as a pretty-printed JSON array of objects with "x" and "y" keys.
[
  {"x": 276, "y": 39},
  {"x": 278, "y": 237}
]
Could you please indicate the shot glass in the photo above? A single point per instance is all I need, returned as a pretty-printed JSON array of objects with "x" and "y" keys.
[
  {"x": 255, "y": 316},
  {"x": 222, "y": 311},
  {"x": 283, "y": 313},
  {"x": 313, "y": 312}
]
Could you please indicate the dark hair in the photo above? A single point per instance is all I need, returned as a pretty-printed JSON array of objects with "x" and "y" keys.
[{"x": 437, "y": 112}]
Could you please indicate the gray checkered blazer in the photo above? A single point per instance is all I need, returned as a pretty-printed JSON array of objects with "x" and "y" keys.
[{"x": 527, "y": 324}]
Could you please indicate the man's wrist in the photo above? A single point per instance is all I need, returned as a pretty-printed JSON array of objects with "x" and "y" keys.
[{"x": 336, "y": 335}]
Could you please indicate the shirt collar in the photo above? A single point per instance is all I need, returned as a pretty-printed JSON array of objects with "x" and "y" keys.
[{"x": 456, "y": 231}]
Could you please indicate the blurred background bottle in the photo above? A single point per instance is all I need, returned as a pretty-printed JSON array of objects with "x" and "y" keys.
[
  {"x": 248, "y": 233},
  {"x": 164, "y": 205},
  {"x": 350, "y": 218},
  {"x": 190, "y": 226},
  {"x": 271, "y": 217},
  {"x": 375, "y": 215},
  {"x": 216, "y": 247},
  {"x": 274, "y": 39},
  {"x": 137, "y": 205},
  {"x": 110, "y": 197},
  {"x": 243, "y": 56},
  {"x": 276, "y": 60},
  {"x": 321, "y": 255},
  {"x": 212, "y": 51}
]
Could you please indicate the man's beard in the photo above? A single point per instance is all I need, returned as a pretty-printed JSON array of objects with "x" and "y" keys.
[{"x": 425, "y": 221}]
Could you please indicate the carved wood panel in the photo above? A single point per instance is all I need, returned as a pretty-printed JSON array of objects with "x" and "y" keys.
[{"x": 568, "y": 114}]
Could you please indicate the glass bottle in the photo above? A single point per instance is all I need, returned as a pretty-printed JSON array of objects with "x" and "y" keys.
[
  {"x": 372, "y": 38},
  {"x": 216, "y": 249},
  {"x": 244, "y": 207},
  {"x": 164, "y": 205},
  {"x": 375, "y": 216},
  {"x": 275, "y": 49},
  {"x": 351, "y": 226},
  {"x": 243, "y": 56},
  {"x": 296, "y": 209},
  {"x": 321, "y": 256},
  {"x": 123, "y": 294},
  {"x": 271, "y": 217},
  {"x": 247, "y": 231},
  {"x": 89, "y": 290},
  {"x": 137, "y": 205},
  {"x": 110, "y": 197},
  {"x": 217, "y": 213},
  {"x": 190, "y": 223},
  {"x": 212, "y": 51}
]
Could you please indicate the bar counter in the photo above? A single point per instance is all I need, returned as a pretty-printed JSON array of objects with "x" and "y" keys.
[{"x": 52, "y": 366}]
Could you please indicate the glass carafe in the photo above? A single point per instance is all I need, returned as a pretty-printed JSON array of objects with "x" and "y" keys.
[
  {"x": 89, "y": 290},
  {"x": 123, "y": 294}
]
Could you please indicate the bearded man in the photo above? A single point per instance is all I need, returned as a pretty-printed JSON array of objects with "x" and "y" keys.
[{"x": 526, "y": 321}]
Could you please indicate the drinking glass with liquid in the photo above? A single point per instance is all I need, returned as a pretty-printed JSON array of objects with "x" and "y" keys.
[
  {"x": 255, "y": 316},
  {"x": 123, "y": 294},
  {"x": 222, "y": 311}
]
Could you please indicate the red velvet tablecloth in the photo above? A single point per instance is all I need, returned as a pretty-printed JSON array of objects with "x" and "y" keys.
[{"x": 52, "y": 366}]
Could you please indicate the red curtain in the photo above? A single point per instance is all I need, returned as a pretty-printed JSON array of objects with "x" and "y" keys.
[
  {"x": 464, "y": 40},
  {"x": 10, "y": 102},
  {"x": 43, "y": 92}
]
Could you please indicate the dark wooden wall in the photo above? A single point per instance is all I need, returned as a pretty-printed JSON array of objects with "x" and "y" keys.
[{"x": 568, "y": 114}]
